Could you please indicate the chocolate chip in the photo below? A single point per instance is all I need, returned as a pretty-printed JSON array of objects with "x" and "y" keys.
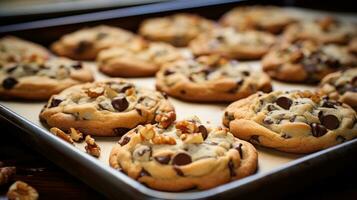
[
  {"x": 246, "y": 73},
  {"x": 182, "y": 91},
  {"x": 330, "y": 122},
  {"x": 11, "y": 69},
  {"x": 181, "y": 159},
  {"x": 318, "y": 130},
  {"x": 340, "y": 139},
  {"x": 123, "y": 141},
  {"x": 55, "y": 102},
  {"x": 292, "y": 119},
  {"x": 144, "y": 151},
  {"x": 139, "y": 111},
  {"x": 121, "y": 130},
  {"x": 231, "y": 168},
  {"x": 9, "y": 83},
  {"x": 168, "y": 72},
  {"x": 143, "y": 172},
  {"x": 239, "y": 149},
  {"x": 77, "y": 65},
  {"x": 284, "y": 102},
  {"x": 83, "y": 46},
  {"x": 120, "y": 103},
  {"x": 285, "y": 136},
  {"x": 346, "y": 88},
  {"x": 271, "y": 107},
  {"x": 163, "y": 159},
  {"x": 329, "y": 104},
  {"x": 354, "y": 81},
  {"x": 164, "y": 95},
  {"x": 179, "y": 171},
  {"x": 254, "y": 138},
  {"x": 202, "y": 129},
  {"x": 125, "y": 88},
  {"x": 229, "y": 116},
  {"x": 101, "y": 35}
]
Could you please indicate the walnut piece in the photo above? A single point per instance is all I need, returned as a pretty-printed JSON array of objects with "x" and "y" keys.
[
  {"x": 195, "y": 138},
  {"x": 147, "y": 132},
  {"x": 6, "y": 174},
  {"x": 165, "y": 119},
  {"x": 59, "y": 133},
  {"x": 186, "y": 127},
  {"x": 76, "y": 135},
  {"x": 163, "y": 139},
  {"x": 22, "y": 191},
  {"x": 95, "y": 92},
  {"x": 92, "y": 148}
]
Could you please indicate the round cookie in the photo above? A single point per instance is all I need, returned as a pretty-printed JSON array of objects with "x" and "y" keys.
[
  {"x": 306, "y": 61},
  {"x": 233, "y": 44},
  {"x": 106, "y": 108},
  {"x": 86, "y": 43},
  {"x": 211, "y": 79},
  {"x": 263, "y": 18},
  {"x": 14, "y": 50},
  {"x": 39, "y": 80},
  {"x": 294, "y": 121},
  {"x": 183, "y": 156},
  {"x": 178, "y": 29},
  {"x": 322, "y": 30},
  {"x": 139, "y": 60},
  {"x": 341, "y": 86}
]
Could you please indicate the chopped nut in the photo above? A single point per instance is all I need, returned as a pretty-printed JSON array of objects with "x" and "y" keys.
[
  {"x": 195, "y": 138},
  {"x": 326, "y": 22},
  {"x": 92, "y": 148},
  {"x": 296, "y": 56},
  {"x": 6, "y": 173},
  {"x": 165, "y": 120},
  {"x": 76, "y": 135},
  {"x": 95, "y": 92},
  {"x": 130, "y": 91},
  {"x": 59, "y": 133},
  {"x": 162, "y": 139},
  {"x": 315, "y": 97},
  {"x": 147, "y": 132},
  {"x": 110, "y": 92},
  {"x": 22, "y": 191},
  {"x": 186, "y": 126}
]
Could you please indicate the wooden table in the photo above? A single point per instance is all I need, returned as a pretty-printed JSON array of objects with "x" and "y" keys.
[{"x": 54, "y": 183}]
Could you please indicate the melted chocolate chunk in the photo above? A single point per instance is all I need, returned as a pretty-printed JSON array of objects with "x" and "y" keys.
[
  {"x": 168, "y": 72},
  {"x": 284, "y": 102},
  {"x": 181, "y": 159},
  {"x": 329, "y": 104},
  {"x": 318, "y": 130},
  {"x": 9, "y": 83},
  {"x": 11, "y": 69},
  {"x": 340, "y": 139},
  {"x": 77, "y": 66},
  {"x": 267, "y": 121},
  {"x": 125, "y": 88},
  {"x": 254, "y": 139},
  {"x": 202, "y": 129},
  {"x": 163, "y": 159},
  {"x": 144, "y": 173},
  {"x": 179, "y": 171},
  {"x": 121, "y": 131},
  {"x": 231, "y": 168},
  {"x": 123, "y": 141},
  {"x": 245, "y": 73},
  {"x": 330, "y": 121},
  {"x": 239, "y": 149},
  {"x": 271, "y": 107},
  {"x": 139, "y": 111},
  {"x": 55, "y": 102},
  {"x": 83, "y": 46},
  {"x": 120, "y": 103}
]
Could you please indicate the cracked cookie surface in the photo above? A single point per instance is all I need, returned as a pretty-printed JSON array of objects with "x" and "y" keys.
[
  {"x": 141, "y": 59},
  {"x": 183, "y": 156},
  {"x": 211, "y": 79},
  {"x": 106, "y": 108},
  {"x": 263, "y": 18},
  {"x": 40, "y": 79},
  {"x": 233, "y": 44},
  {"x": 341, "y": 86},
  {"x": 177, "y": 30},
  {"x": 295, "y": 121},
  {"x": 86, "y": 43},
  {"x": 306, "y": 61}
]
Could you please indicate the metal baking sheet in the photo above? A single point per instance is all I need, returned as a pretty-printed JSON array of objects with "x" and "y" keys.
[{"x": 274, "y": 166}]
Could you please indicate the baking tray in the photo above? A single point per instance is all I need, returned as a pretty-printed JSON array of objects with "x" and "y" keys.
[{"x": 276, "y": 169}]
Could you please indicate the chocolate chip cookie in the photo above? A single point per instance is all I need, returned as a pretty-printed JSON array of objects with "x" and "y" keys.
[
  {"x": 306, "y": 61},
  {"x": 86, "y": 43},
  {"x": 211, "y": 79},
  {"x": 233, "y": 44},
  {"x": 106, "y": 108},
  {"x": 262, "y": 18},
  {"x": 295, "y": 121},
  {"x": 183, "y": 156},
  {"x": 341, "y": 86},
  {"x": 144, "y": 59},
  {"x": 38, "y": 80},
  {"x": 178, "y": 29},
  {"x": 15, "y": 50},
  {"x": 323, "y": 30}
]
